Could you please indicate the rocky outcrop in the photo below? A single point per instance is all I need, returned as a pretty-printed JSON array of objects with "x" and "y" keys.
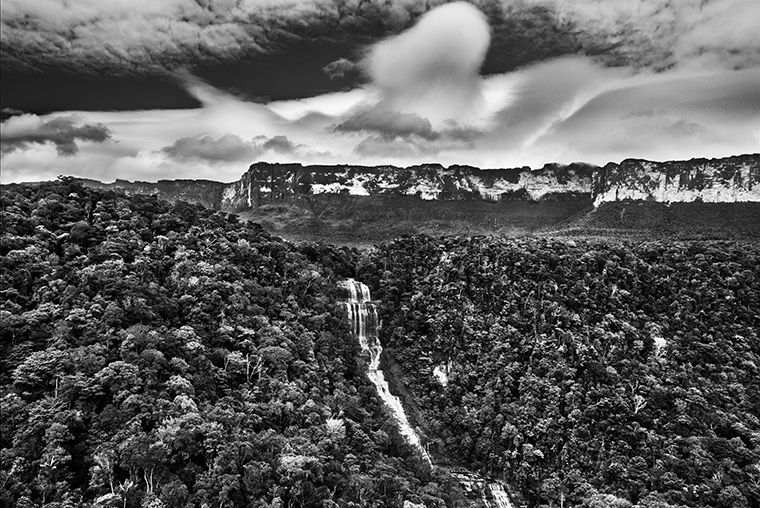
[
  {"x": 265, "y": 183},
  {"x": 727, "y": 180},
  {"x": 731, "y": 179}
]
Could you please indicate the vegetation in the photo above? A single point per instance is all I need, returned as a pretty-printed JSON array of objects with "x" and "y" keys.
[
  {"x": 668, "y": 221},
  {"x": 168, "y": 355},
  {"x": 368, "y": 220},
  {"x": 591, "y": 374}
]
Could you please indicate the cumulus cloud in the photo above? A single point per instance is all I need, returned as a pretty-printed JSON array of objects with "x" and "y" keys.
[
  {"x": 432, "y": 69},
  {"x": 18, "y": 132},
  {"x": 279, "y": 144}
]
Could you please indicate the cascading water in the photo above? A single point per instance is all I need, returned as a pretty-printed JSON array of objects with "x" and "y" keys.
[
  {"x": 362, "y": 312},
  {"x": 499, "y": 495},
  {"x": 363, "y": 315}
]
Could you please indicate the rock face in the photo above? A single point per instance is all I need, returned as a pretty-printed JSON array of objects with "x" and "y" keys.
[
  {"x": 731, "y": 179},
  {"x": 264, "y": 182}
]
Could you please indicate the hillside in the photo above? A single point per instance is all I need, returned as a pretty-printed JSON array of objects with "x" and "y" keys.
[
  {"x": 169, "y": 355},
  {"x": 585, "y": 373}
]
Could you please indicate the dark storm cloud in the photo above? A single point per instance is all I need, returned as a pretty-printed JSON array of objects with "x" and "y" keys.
[
  {"x": 18, "y": 132},
  {"x": 229, "y": 42},
  {"x": 147, "y": 37}
]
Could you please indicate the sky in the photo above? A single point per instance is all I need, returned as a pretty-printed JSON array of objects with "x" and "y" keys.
[{"x": 149, "y": 90}]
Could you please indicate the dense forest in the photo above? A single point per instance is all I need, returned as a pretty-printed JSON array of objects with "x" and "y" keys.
[
  {"x": 584, "y": 373},
  {"x": 168, "y": 355}
]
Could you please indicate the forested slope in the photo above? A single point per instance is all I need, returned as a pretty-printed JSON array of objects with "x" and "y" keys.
[
  {"x": 593, "y": 374},
  {"x": 168, "y": 355}
]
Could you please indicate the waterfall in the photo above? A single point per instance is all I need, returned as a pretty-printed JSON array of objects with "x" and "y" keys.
[
  {"x": 499, "y": 495},
  {"x": 491, "y": 493},
  {"x": 362, "y": 313}
]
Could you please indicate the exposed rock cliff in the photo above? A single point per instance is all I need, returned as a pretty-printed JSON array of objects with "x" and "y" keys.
[
  {"x": 265, "y": 182},
  {"x": 731, "y": 179}
]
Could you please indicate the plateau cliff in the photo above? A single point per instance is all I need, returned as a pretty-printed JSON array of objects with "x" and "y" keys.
[
  {"x": 727, "y": 180},
  {"x": 264, "y": 182},
  {"x": 731, "y": 179}
]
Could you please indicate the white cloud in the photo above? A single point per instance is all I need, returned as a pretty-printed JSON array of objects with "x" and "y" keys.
[{"x": 432, "y": 69}]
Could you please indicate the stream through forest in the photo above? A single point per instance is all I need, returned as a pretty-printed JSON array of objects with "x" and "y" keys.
[{"x": 362, "y": 313}]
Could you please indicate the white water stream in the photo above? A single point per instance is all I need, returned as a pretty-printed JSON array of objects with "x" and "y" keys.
[
  {"x": 363, "y": 315},
  {"x": 362, "y": 312}
]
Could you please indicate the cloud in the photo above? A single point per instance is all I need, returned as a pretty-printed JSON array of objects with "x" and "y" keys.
[
  {"x": 231, "y": 148},
  {"x": 382, "y": 149},
  {"x": 283, "y": 146},
  {"x": 432, "y": 69},
  {"x": 388, "y": 124},
  {"x": 280, "y": 144},
  {"x": 10, "y": 112},
  {"x": 545, "y": 94},
  {"x": 18, "y": 132},
  {"x": 665, "y": 97},
  {"x": 149, "y": 37},
  {"x": 228, "y": 148},
  {"x": 340, "y": 67},
  {"x": 664, "y": 116}
]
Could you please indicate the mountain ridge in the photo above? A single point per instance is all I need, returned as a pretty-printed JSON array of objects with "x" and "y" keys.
[{"x": 729, "y": 179}]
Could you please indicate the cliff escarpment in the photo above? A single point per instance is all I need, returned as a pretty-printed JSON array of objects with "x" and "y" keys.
[
  {"x": 730, "y": 179},
  {"x": 267, "y": 183},
  {"x": 727, "y": 180}
]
